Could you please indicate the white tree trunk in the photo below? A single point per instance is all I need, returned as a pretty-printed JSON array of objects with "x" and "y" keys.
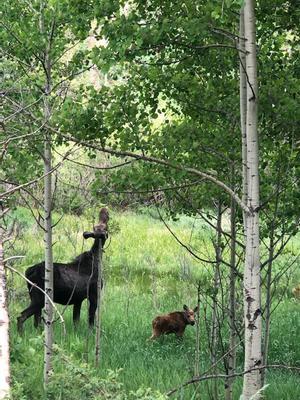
[
  {"x": 4, "y": 329},
  {"x": 243, "y": 108},
  {"x": 48, "y": 310},
  {"x": 252, "y": 288}
]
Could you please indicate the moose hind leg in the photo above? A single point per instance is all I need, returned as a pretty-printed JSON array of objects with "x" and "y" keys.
[
  {"x": 76, "y": 313},
  {"x": 25, "y": 314},
  {"x": 37, "y": 318}
]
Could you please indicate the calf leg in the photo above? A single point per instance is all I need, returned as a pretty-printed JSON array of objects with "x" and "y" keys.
[
  {"x": 155, "y": 334},
  {"x": 25, "y": 314},
  {"x": 179, "y": 334},
  {"x": 76, "y": 313}
]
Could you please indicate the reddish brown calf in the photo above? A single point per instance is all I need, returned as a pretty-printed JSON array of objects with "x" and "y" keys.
[{"x": 174, "y": 322}]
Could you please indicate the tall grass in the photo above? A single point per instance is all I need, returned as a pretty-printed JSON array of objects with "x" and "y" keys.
[{"x": 146, "y": 273}]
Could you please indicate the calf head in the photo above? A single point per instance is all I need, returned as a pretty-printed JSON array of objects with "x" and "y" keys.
[{"x": 189, "y": 314}]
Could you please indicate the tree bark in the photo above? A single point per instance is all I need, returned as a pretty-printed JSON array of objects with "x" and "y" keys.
[
  {"x": 4, "y": 329},
  {"x": 252, "y": 278},
  {"x": 243, "y": 108}
]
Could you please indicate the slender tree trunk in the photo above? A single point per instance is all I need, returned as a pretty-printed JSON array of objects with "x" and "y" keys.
[
  {"x": 99, "y": 298},
  {"x": 252, "y": 276},
  {"x": 4, "y": 329},
  {"x": 101, "y": 227},
  {"x": 232, "y": 303},
  {"x": 48, "y": 310},
  {"x": 268, "y": 308},
  {"x": 268, "y": 288},
  {"x": 197, "y": 349},
  {"x": 214, "y": 329}
]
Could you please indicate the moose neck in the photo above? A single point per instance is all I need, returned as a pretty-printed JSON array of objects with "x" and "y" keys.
[
  {"x": 97, "y": 246},
  {"x": 96, "y": 251}
]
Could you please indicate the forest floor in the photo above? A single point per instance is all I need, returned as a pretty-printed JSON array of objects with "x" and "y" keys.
[{"x": 146, "y": 273}]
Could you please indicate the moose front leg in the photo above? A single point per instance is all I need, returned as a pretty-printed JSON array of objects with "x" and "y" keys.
[{"x": 92, "y": 307}]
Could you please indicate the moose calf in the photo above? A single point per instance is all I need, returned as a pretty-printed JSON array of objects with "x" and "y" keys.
[{"x": 174, "y": 322}]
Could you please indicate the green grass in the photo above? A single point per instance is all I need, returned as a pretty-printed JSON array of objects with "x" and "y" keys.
[{"x": 146, "y": 273}]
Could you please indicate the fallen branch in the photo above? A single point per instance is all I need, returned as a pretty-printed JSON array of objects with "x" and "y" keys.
[{"x": 224, "y": 376}]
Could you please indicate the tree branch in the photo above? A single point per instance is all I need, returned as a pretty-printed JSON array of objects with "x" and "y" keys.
[{"x": 155, "y": 160}]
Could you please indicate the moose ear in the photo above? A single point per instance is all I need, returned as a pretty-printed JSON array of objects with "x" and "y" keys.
[
  {"x": 196, "y": 309},
  {"x": 185, "y": 307}
]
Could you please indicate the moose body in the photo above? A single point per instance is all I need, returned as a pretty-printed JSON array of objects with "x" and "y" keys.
[
  {"x": 174, "y": 322},
  {"x": 72, "y": 282}
]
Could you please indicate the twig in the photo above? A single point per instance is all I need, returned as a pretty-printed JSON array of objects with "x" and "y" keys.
[
  {"x": 19, "y": 187},
  {"x": 181, "y": 243},
  {"x": 12, "y": 258}
]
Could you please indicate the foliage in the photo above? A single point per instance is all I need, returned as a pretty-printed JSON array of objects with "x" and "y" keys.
[
  {"x": 82, "y": 378},
  {"x": 172, "y": 69}
]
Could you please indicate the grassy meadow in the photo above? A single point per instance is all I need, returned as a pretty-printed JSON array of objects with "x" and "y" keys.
[{"x": 146, "y": 272}]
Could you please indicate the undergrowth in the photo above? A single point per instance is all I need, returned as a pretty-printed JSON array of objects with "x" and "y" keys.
[{"x": 146, "y": 273}]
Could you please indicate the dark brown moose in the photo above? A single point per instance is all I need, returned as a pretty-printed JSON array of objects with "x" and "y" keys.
[
  {"x": 72, "y": 282},
  {"x": 175, "y": 322}
]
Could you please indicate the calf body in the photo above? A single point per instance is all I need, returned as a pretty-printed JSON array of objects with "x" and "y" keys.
[
  {"x": 174, "y": 322},
  {"x": 72, "y": 282}
]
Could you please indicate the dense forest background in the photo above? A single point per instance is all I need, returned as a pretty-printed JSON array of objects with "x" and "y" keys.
[{"x": 182, "y": 119}]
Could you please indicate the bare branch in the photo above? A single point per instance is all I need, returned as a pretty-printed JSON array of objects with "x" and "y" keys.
[
  {"x": 13, "y": 258},
  {"x": 155, "y": 160},
  {"x": 21, "y": 109},
  {"x": 223, "y": 376},
  {"x": 95, "y": 166},
  {"x": 164, "y": 189}
]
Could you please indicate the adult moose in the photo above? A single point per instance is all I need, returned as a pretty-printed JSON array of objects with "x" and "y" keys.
[{"x": 72, "y": 282}]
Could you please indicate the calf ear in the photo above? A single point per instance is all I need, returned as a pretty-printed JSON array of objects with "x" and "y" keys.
[
  {"x": 196, "y": 309},
  {"x": 185, "y": 307}
]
